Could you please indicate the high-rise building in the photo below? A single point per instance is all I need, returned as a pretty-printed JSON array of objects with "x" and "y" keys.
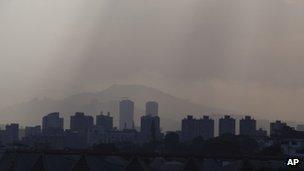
[
  {"x": 192, "y": 128},
  {"x": 32, "y": 131},
  {"x": 52, "y": 124},
  {"x": 104, "y": 121},
  {"x": 247, "y": 126},
  {"x": 277, "y": 128},
  {"x": 282, "y": 131},
  {"x": 126, "y": 114},
  {"x": 226, "y": 125},
  {"x": 12, "y": 133},
  {"x": 188, "y": 128},
  {"x": 152, "y": 108},
  {"x": 149, "y": 124},
  {"x": 206, "y": 127},
  {"x": 81, "y": 122},
  {"x": 149, "y": 128}
]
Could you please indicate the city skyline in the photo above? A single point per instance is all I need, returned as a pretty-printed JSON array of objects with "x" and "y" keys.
[
  {"x": 197, "y": 137},
  {"x": 108, "y": 100},
  {"x": 148, "y": 85},
  {"x": 227, "y": 124},
  {"x": 87, "y": 129}
]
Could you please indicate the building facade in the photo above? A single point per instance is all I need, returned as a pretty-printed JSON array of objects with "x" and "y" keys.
[
  {"x": 126, "y": 114},
  {"x": 192, "y": 128},
  {"x": 104, "y": 121},
  {"x": 247, "y": 126},
  {"x": 12, "y": 133},
  {"x": 32, "y": 131},
  {"x": 81, "y": 123},
  {"x": 226, "y": 125},
  {"x": 52, "y": 124},
  {"x": 150, "y": 128},
  {"x": 152, "y": 108}
]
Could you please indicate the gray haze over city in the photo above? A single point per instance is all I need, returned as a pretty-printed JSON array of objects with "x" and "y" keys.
[{"x": 237, "y": 55}]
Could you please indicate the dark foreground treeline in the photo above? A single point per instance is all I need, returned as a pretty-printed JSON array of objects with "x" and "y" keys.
[
  {"x": 226, "y": 145},
  {"x": 227, "y": 152}
]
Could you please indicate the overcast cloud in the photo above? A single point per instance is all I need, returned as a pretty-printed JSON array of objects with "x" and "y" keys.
[{"x": 245, "y": 55}]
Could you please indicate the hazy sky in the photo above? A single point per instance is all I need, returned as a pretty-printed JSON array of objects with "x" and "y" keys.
[{"x": 245, "y": 55}]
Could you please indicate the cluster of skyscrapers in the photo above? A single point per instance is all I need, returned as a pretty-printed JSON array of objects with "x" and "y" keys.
[
  {"x": 84, "y": 132},
  {"x": 204, "y": 127}
]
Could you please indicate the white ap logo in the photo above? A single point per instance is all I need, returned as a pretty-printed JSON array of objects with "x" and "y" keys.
[{"x": 292, "y": 162}]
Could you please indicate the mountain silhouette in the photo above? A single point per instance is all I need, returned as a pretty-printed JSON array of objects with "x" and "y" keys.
[{"x": 171, "y": 109}]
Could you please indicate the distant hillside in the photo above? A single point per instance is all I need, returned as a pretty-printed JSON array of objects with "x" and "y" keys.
[{"x": 171, "y": 109}]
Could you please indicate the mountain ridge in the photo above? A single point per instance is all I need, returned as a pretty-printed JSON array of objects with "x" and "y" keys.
[{"x": 171, "y": 109}]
